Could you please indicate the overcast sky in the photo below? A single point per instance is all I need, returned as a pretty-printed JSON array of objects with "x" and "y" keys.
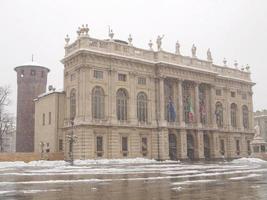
[{"x": 234, "y": 29}]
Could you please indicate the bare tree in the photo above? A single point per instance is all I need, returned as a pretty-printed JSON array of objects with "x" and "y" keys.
[{"x": 6, "y": 119}]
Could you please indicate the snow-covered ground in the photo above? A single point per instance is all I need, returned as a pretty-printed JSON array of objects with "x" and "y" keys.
[{"x": 52, "y": 177}]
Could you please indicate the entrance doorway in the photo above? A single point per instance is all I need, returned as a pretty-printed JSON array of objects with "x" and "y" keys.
[
  {"x": 172, "y": 146},
  {"x": 190, "y": 146}
]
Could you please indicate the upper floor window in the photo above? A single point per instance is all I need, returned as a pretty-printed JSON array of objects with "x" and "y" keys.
[
  {"x": 233, "y": 94},
  {"x": 141, "y": 81},
  {"x": 122, "y": 77},
  {"x": 244, "y": 96},
  {"x": 122, "y": 99},
  {"x": 72, "y": 103},
  {"x": 43, "y": 119},
  {"x": 49, "y": 118},
  {"x": 245, "y": 117},
  {"x": 98, "y": 74},
  {"x": 219, "y": 92},
  {"x": 233, "y": 115},
  {"x": 98, "y": 103},
  {"x": 142, "y": 107}
]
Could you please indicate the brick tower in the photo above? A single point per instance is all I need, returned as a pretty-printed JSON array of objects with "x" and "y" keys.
[{"x": 31, "y": 82}]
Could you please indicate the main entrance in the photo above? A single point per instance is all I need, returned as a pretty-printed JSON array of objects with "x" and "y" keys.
[
  {"x": 190, "y": 146},
  {"x": 206, "y": 146},
  {"x": 172, "y": 146}
]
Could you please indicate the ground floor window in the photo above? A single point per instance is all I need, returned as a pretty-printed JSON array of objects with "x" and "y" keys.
[
  {"x": 222, "y": 147},
  {"x": 124, "y": 145},
  {"x": 262, "y": 148},
  {"x": 144, "y": 146},
  {"x": 60, "y": 145},
  {"x": 99, "y": 146},
  {"x": 237, "y": 144}
]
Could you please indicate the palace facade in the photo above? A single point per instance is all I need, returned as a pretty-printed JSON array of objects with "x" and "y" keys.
[{"x": 128, "y": 102}]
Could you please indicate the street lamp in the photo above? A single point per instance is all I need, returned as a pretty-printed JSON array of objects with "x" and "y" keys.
[
  {"x": 72, "y": 138},
  {"x": 42, "y": 150}
]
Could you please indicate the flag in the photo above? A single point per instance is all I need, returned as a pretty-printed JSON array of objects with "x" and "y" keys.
[
  {"x": 171, "y": 111},
  {"x": 191, "y": 111}
]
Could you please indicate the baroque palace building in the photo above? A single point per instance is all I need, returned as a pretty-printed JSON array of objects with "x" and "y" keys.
[{"x": 128, "y": 102}]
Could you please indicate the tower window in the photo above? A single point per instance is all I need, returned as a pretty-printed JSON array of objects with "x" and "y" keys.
[
  {"x": 43, "y": 119},
  {"x": 42, "y": 74},
  {"x": 22, "y": 73},
  {"x": 33, "y": 72},
  {"x": 49, "y": 118}
]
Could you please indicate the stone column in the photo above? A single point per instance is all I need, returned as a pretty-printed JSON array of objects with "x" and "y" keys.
[
  {"x": 161, "y": 101},
  {"x": 181, "y": 104},
  {"x": 163, "y": 145},
  {"x": 199, "y": 151},
  {"x": 111, "y": 96},
  {"x": 197, "y": 104},
  {"x": 212, "y": 107},
  {"x": 132, "y": 101},
  {"x": 182, "y": 145},
  {"x": 215, "y": 145}
]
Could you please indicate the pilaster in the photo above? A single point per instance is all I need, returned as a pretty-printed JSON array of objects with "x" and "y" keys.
[
  {"x": 182, "y": 145},
  {"x": 180, "y": 103},
  {"x": 199, "y": 151}
]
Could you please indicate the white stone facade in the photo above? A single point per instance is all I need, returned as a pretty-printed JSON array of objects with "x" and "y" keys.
[{"x": 131, "y": 102}]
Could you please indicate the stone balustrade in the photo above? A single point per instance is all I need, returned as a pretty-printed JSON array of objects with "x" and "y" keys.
[{"x": 116, "y": 48}]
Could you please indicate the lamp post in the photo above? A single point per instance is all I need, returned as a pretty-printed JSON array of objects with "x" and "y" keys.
[
  {"x": 72, "y": 138},
  {"x": 42, "y": 150}
]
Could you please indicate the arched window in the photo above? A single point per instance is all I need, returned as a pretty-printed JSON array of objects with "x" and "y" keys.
[
  {"x": 245, "y": 117},
  {"x": 142, "y": 107},
  {"x": 72, "y": 103},
  {"x": 122, "y": 99},
  {"x": 98, "y": 103},
  {"x": 219, "y": 114},
  {"x": 233, "y": 115}
]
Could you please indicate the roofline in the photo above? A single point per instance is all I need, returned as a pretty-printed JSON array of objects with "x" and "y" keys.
[{"x": 22, "y": 66}]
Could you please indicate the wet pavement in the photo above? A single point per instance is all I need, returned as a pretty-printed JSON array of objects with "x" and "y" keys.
[{"x": 134, "y": 180}]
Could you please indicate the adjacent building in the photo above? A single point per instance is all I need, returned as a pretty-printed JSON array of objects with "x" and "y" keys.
[
  {"x": 260, "y": 119},
  {"x": 128, "y": 102}
]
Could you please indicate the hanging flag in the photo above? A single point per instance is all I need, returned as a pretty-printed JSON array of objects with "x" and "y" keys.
[
  {"x": 191, "y": 111},
  {"x": 171, "y": 111}
]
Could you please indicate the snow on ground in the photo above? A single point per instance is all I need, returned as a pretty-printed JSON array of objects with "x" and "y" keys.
[{"x": 248, "y": 160}]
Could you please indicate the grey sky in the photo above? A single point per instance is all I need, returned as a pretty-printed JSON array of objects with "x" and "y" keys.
[{"x": 236, "y": 30}]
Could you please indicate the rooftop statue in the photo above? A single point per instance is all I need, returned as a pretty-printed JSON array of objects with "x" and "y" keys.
[
  {"x": 194, "y": 51},
  {"x": 209, "y": 57},
  {"x": 177, "y": 48},
  {"x": 159, "y": 42}
]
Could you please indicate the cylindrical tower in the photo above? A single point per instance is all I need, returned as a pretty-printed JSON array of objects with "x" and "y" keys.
[{"x": 31, "y": 82}]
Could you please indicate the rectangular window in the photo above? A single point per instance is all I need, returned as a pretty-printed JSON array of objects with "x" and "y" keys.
[
  {"x": 98, "y": 74},
  {"x": 233, "y": 94},
  {"x": 99, "y": 146},
  {"x": 33, "y": 72},
  {"x": 122, "y": 77},
  {"x": 49, "y": 118},
  {"x": 222, "y": 148},
  {"x": 43, "y": 119},
  {"x": 219, "y": 92},
  {"x": 144, "y": 146},
  {"x": 124, "y": 145},
  {"x": 237, "y": 147},
  {"x": 60, "y": 145},
  {"x": 141, "y": 81},
  {"x": 244, "y": 96},
  {"x": 42, "y": 74}
]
